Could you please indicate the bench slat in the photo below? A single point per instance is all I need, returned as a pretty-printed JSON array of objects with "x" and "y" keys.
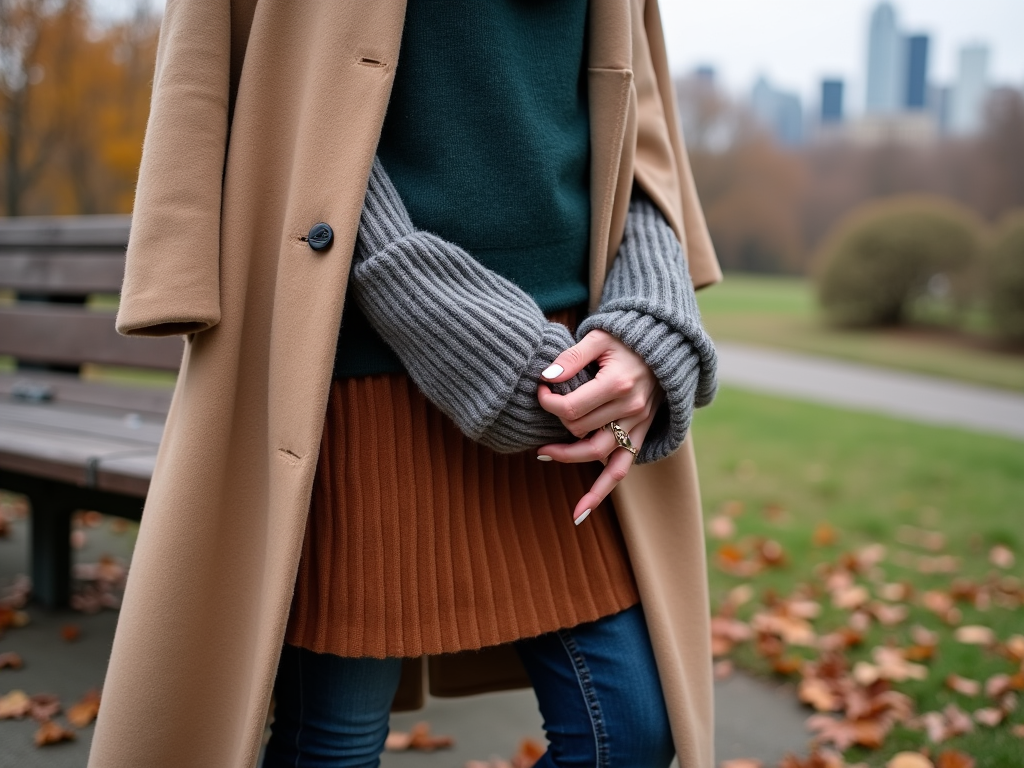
[
  {"x": 46, "y": 418},
  {"x": 74, "y": 231},
  {"x": 70, "y": 336},
  {"x": 70, "y": 389},
  {"x": 66, "y": 273}
]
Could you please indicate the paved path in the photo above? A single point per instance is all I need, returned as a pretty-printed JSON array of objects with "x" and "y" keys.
[
  {"x": 861, "y": 387},
  {"x": 755, "y": 719}
]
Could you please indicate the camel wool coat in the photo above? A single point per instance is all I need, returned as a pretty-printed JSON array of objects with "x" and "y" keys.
[{"x": 264, "y": 121}]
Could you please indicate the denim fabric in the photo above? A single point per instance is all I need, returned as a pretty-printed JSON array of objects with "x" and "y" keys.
[
  {"x": 330, "y": 711},
  {"x": 596, "y": 684},
  {"x": 599, "y": 694}
]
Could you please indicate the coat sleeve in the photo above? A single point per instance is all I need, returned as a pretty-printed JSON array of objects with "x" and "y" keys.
[
  {"x": 661, "y": 164},
  {"x": 172, "y": 272}
]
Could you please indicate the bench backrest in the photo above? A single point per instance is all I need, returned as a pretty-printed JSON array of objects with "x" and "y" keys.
[{"x": 52, "y": 264}]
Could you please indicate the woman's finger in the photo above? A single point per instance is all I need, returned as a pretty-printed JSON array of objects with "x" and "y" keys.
[
  {"x": 634, "y": 407},
  {"x": 596, "y": 447},
  {"x": 618, "y": 466},
  {"x": 577, "y": 357},
  {"x": 574, "y": 406}
]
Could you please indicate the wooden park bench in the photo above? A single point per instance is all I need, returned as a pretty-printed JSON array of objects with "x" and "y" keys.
[{"x": 69, "y": 442}]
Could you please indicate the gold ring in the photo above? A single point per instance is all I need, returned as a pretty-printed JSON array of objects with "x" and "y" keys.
[{"x": 621, "y": 437}]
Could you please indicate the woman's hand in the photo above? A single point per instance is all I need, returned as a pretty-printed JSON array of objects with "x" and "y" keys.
[{"x": 624, "y": 390}]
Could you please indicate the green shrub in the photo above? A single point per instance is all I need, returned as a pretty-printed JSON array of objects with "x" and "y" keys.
[
  {"x": 1006, "y": 278},
  {"x": 882, "y": 257}
]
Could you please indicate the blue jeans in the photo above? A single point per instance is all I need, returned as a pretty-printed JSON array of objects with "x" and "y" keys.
[{"x": 596, "y": 685}]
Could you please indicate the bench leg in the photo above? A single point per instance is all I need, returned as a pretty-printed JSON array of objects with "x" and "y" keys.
[{"x": 51, "y": 552}]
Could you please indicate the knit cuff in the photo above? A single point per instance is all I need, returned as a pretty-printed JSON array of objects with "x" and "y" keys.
[
  {"x": 385, "y": 218},
  {"x": 675, "y": 364},
  {"x": 522, "y": 424}
]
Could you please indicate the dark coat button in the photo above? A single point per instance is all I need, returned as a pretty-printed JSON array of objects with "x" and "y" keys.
[{"x": 320, "y": 236}]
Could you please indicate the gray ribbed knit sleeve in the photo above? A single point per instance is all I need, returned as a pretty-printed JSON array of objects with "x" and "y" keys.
[
  {"x": 472, "y": 341},
  {"x": 648, "y": 303}
]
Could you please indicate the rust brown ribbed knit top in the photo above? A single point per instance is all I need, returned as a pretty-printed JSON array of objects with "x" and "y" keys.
[{"x": 420, "y": 541}]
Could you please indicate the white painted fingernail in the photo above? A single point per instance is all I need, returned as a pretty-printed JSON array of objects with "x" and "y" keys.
[
  {"x": 581, "y": 518},
  {"x": 543, "y": 457},
  {"x": 551, "y": 371}
]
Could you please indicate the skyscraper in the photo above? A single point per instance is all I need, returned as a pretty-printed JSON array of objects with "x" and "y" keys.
[
  {"x": 885, "y": 62},
  {"x": 831, "y": 101},
  {"x": 969, "y": 90},
  {"x": 915, "y": 94},
  {"x": 778, "y": 111}
]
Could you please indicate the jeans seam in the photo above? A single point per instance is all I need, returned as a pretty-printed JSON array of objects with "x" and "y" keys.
[{"x": 585, "y": 679}]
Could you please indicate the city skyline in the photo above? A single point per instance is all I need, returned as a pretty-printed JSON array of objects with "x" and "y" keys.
[{"x": 810, "y": 41}]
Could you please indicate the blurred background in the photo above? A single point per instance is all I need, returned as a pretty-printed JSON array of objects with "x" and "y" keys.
[{"x": 861, "y": 168}]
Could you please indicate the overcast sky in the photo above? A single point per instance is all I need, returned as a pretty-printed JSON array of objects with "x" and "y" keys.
[{"x": 797, "y": 42}]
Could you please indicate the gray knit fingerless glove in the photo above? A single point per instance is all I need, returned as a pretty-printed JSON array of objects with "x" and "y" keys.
[
  {"x": 473, "y": 342},
  {"x": 648, "y": 303}
]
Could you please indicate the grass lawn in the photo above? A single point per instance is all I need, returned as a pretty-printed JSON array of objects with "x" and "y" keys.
[
  {"x": 780, "y": 469},
  {"x": 782, "y": 312}
]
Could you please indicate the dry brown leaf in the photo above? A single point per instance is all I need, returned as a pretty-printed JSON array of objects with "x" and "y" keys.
[
  {"x": 889, "y": 615},
  {"x": 1001, "y": 556},
  {"x": 952, "y": 758},
  {"x": 870, "y": 556},
  {"x": 850, "y": 598},
  {"x": 802, "y": 609},
  {"x": 845, "y": 733},
  {"x": 44, "y": 706},
  {"x": 70, "y": 632},
  {"x": 15, "y": 704},
  {"x": 771, "y": 553},
  {"x": 818, "y": 694},
  {"x": 820, "y": 758},
  {"x": 957, "y": 721},
  {"x": 937, "y": 602},
  {"x": 787, "y": 665},
  {"x": 975, "y": 634},
  {"x": 919, "y": 652},
  {"x": 963, "y": 685},
  {"x": 824, "y": 535},
  {"x": 792, "y": 630},
  {"x": 721, "y": 527},
  {"x": 997, "y": 685},
  {"x": 10, "y": 660},
  {"x": 935, "y": 726},
  {"x": 922, "y": 636},
  {"x": 893, "y": 665},
  {"x": 1015, "y": 647},
  {"x": 85, "y": 711},
  {"x": 859, "y": 622},
  {"x": 422, "y": 740},
  {"x": 989, "y": 716},
  {"x": 909, "y": 760},
  {"x": 529, "y": 752},
  {"x": 52, "y": 733},
  {"x": 894, "y": 592},
  {"x": 740, "y": 594}
]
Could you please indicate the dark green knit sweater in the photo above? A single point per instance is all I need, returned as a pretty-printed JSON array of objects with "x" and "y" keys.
[{"x": 487, "y": 140}]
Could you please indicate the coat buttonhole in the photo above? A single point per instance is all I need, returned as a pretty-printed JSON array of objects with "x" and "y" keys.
[
  {"x": 290, "y": 456},
  {"x": 368, "y": 62}
]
